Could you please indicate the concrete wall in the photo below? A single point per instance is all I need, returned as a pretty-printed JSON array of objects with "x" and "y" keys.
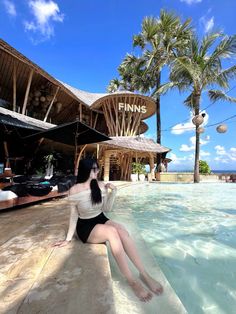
[{"x": 186, "y": 177}]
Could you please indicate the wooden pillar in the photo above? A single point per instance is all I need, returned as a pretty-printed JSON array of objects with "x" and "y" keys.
[
  {"x": 107, "y": 166},
  {"x": 7, "y": 165},
  {"x": 27, "y": 91},
  {"x": 152, "y": 166},
  {"x": 80, "y": 112}
]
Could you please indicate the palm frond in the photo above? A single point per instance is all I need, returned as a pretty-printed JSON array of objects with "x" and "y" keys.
[
  {"x": 229, "y": 73},
  {"x": 149, "y": 28},
  {"x": 189, "y": 101},
  {"x": 185, "y": 68},
  {"x": 225, "y": 49},
  {"x": 217, "y": 95},
  {"x": 163, "y": 89},
  {"x": 138, "y": 41},
  {"x": 207, "y": 42},
  {"x": 114, "y": 85}
]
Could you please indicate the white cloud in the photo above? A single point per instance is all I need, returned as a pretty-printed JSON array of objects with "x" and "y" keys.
[
  {"x": 221, "y": 160},
  {"x": 232, "y": 153},
  {"x": 188, "y": 126},
  {"x": 153, "y": 136},
  {"x": 225, "y": 156},
  {"x": 182, "y": 128},
  {"x": 187, "y": 148},
  {"x": 204, "y": 154},
  {"x": 45, "y": 13},
  {"x": 220, "y": 150},
  {"x": 10, "y": 7},
  {"x": 176, "y": 160},
  {"x": 207, "y": 22},
  {"x": 184, "y": 163},
  {"x": 191, "y": 1}
]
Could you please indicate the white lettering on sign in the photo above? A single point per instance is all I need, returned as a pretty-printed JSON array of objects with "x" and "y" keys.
[{"x": 132, "y": 108}]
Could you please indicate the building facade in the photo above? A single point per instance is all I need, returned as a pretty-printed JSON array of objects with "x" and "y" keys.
[{"x": 31, "y": 94}]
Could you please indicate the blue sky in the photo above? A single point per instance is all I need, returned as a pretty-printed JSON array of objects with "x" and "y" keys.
[{"x": 83, "y": 42}]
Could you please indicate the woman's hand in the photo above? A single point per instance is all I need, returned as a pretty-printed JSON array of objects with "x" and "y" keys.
[
  {"x": 110, "y": 186},
  {"x": 61, "y": 243}
]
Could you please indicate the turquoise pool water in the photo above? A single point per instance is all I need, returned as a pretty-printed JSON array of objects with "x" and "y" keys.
[{"x": 191, "y": 231}]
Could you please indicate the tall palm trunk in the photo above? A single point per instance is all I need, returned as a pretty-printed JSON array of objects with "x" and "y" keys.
[
  {"x": 158, "y": 117},
  {"x": 197, "y": 143}
]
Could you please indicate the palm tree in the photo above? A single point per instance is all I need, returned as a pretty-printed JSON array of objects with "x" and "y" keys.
[
  {"x": 161, "y": 39},
  {"x": 131, "y": 73},
  {"x": 200, "y": 69},
  {"x": 114, "y": 85}
]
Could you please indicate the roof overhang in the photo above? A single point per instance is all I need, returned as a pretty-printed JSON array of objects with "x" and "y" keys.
[{"x": 140, "y": 144}]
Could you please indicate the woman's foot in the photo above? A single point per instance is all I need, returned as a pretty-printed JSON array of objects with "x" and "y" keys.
[
  {"x": 152, "y": 284},
  {"x": 140, "y": 291}
]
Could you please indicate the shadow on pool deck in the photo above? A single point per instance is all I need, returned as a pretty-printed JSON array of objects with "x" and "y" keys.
[{"x": 37, "y": 278}]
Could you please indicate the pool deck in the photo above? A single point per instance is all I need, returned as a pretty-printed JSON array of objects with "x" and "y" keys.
[{"x": 38, "y": 278}]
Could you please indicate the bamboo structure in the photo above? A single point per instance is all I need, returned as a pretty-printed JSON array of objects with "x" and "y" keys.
[
  {"x": 123, "y": 123},
  {"x": 50, "y": 106},
  {"x": 27, "y": 91},
  {"x": 118, "y": 115},
  {"x": 14, "y": 87}
]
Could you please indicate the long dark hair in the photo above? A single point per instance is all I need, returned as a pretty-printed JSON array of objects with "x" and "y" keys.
[{"x": 84, "y": 170}]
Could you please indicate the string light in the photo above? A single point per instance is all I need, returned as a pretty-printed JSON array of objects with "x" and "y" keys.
[{"x": 207, "y": 126}]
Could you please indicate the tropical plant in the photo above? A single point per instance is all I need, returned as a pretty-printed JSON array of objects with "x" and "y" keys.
[
  {"x": 204, "y": 168},
  {"x": 49, "y": 159},
  {"x": 200, "y": 69},
  {"x": 160, "y": 40},
  {"x": 139, "y": 168}
]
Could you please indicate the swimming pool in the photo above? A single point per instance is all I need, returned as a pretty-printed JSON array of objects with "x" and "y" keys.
[{"x": 191, "y": 231}]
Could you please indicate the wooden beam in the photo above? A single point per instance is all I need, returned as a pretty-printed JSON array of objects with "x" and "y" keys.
[
  {"x": 112, "y": 123},
  {"x": 50, "y": 106},
  {"x": 95, "y": 121},
  {"x": 80, "y": 111},
  {"x": 14, "y": 87},
  {"x": 77, "y": 159},
  {"x": 27, "y": 91},
  {"x": 106, "y": 166}
]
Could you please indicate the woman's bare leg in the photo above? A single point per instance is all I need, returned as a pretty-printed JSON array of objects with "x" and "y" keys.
[
  {"x": 131, "y": 251},
  {"x": 102, "y": 233}
]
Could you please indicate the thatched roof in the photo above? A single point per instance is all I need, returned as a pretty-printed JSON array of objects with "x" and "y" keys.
[
  {"x": 68, "y": 95},
  {"x": 95, "y": 100},
  {"x": 136, "y": 143},
  {"x": 26, "y": 119},
  {"x": 87, "y": 97}
]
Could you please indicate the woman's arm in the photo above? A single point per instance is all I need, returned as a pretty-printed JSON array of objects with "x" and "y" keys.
[
  {"x": 72, "y": 227},
  {"x": 73, "y": 221},
  {"x": 109, "y": 197}
]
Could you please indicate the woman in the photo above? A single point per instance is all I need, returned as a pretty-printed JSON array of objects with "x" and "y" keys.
[{"x": 89, "y": 199}]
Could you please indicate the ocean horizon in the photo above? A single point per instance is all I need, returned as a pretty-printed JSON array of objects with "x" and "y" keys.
[{"x": 212, "y": 171}]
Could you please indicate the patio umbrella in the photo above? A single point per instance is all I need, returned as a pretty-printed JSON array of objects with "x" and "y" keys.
[{"x": 72, "y": 133}]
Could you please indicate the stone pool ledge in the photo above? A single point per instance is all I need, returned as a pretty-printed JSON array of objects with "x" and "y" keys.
[{"x": 37, "y": 278}]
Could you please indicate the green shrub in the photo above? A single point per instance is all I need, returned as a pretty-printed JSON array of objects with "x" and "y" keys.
[
  {"x": 204, "y": 167},
  {"x": 139, "y": 168}
]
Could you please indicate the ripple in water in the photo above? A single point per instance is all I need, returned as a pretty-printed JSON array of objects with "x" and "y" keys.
[{"x": 191, "y": 231}]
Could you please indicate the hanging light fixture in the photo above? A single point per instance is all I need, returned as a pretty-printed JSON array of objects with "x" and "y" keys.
[
  {"x": 200, "y": 130},
  {"x": 222, "y": 128},
  {"x": 198, "y": 119}
]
